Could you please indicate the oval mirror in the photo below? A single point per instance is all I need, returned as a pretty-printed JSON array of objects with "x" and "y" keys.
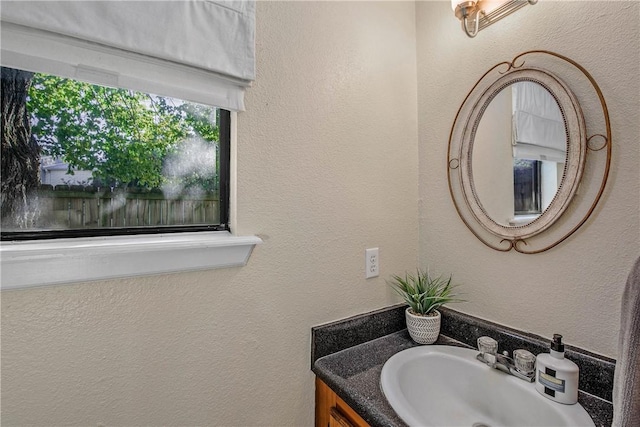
[
  {"x": 518, "y": 149},
  {"x": 522, "y": 153},
  {"x": 519, "y": 154}
]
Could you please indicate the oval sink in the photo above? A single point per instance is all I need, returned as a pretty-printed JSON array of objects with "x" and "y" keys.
[{"x": 446, "y": 386}]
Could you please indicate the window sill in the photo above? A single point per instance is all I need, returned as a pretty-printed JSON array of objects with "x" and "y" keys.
[
  {"x": 520, "y": 220},
  {"x": 38, "y": 263}
]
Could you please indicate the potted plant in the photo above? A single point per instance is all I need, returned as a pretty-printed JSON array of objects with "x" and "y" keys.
[{"x": 424, "y": 294}]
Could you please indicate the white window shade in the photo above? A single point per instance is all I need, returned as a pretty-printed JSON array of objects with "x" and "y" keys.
[
  {"x": 197, "y": 50},
  {"x": 538, "y": 126}
]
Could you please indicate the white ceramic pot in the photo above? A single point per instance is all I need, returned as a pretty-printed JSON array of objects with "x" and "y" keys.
[{"x": 423, "y": 329}]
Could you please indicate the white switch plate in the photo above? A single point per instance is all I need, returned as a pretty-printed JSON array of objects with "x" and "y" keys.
[{"x": 372, "y": 263}]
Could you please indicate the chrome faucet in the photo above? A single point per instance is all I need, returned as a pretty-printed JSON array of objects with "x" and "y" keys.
[{"x": 522, "y": 365}]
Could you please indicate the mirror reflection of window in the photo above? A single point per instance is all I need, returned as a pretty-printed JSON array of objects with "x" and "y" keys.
[
  {"x": 539, "y": 149},
  {"x": 535, "y": 183},
  {"x": 527, "y": 189}
]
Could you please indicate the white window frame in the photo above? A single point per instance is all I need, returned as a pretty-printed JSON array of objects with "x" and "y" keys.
[
  {"x": 26, "y": 264},
  {"x": 59, "y": 261}
]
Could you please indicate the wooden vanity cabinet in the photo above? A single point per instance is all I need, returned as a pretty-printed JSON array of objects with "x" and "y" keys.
[{"x": 331, "y": 411}]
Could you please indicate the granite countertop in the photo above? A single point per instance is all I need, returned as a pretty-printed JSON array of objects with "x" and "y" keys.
[{"x": 354, "y": 374}]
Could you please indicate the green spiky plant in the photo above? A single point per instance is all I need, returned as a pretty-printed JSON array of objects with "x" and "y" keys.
[{"x": 424, "y": 293}]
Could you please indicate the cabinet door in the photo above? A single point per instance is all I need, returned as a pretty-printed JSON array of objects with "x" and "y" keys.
[
  {"x": 337, "y": 419},
  {"x": 332, "y": 411}
]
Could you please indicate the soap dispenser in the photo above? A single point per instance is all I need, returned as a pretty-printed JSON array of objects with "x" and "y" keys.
[{"x": 557, "y": 377}]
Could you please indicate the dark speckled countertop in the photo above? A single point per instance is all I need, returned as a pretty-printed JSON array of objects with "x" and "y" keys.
[{"x": 350, "y": 361}]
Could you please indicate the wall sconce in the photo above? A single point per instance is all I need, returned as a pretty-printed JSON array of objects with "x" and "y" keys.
[{"x": 479, "y": 14}]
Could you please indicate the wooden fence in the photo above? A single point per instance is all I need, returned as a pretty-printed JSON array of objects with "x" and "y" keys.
[{"x": 76, "y": 207}]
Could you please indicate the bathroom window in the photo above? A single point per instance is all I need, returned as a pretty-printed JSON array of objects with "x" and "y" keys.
[
  {"x": 136, "y": 165},
  {"x": 80, "y": 159}
]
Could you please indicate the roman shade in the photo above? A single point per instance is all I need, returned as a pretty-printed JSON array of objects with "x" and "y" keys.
[
  {"x": 538, "y": 126},
  {"x": 197, "y": 50}
]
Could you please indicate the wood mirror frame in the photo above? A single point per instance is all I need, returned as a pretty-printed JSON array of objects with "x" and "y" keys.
[{"x": 543, "y": 232}]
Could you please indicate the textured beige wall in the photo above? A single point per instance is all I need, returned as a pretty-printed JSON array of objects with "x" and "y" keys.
[
  {"x": 575, "y": 288},
  {"x": 327, "y": 166},
  {"x": 328, "y": 161},
  {"x": 492, "y": 161}
]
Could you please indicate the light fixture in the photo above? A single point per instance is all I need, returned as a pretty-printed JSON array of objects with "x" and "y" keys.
[{"x": 479, "y": 14}]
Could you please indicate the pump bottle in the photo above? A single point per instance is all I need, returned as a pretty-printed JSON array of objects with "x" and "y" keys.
[{"x": 557, "y": 377}]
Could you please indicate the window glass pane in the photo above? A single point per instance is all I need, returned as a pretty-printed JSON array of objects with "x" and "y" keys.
[
  {"x": 526, "y": 186},
  {"x": 78, "y": 156}
]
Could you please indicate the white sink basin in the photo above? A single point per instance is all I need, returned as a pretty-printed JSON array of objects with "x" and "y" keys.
[{"x": 446, "y": 386}]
